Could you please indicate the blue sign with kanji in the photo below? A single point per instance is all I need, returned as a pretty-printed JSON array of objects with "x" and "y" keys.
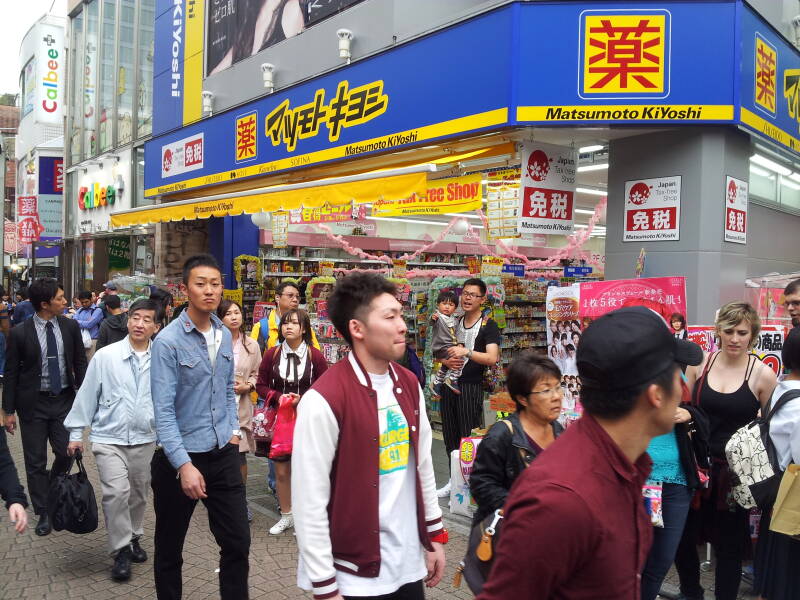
[{"x": 577, "y": 271}]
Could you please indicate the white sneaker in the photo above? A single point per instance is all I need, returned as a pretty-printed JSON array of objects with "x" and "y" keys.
[
  {"x": 287, "y": 521},
  {"x": 444, "y": 492}
]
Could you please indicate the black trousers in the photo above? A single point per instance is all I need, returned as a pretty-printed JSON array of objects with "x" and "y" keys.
[
  {"x": 37, "y": 425},
  {"x": 410, "y": 591},
  {"x": 460, "y": 414},
  {"x": 227, "y": 518}
]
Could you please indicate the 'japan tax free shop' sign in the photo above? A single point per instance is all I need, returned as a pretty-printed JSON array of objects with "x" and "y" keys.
[{"x": 652, "y": 209}]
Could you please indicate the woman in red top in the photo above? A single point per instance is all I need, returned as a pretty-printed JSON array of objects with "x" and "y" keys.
[{"x": 291, "y": 368}]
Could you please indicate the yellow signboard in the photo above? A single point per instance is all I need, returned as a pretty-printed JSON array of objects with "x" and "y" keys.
[
  {"x": 624, "y": 54},
  {"x": 765, "y": 74},
  {"x": 234, "y": 295},
  {"x": 452, "y": 195}
]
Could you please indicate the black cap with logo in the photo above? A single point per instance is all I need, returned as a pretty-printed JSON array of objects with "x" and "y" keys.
[{"x": 629, "y": 347}]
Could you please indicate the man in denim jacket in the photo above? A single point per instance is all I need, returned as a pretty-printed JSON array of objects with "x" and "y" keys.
[
  {"x": 198, "y": 429},
  {"x": 115, "y": 401}
]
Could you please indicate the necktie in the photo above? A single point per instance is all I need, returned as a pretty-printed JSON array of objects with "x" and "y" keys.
[
  {"x": 53, "y": 372},
  {"x": 294, "y": 361}
]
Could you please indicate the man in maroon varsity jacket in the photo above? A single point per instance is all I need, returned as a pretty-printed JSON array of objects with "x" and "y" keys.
[{"x": 366, "y": 515}]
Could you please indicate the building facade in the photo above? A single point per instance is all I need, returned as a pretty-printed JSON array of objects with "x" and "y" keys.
[{"x": 698, "y": 96}]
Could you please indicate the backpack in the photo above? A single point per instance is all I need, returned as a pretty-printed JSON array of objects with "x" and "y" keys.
[
  {"x": 70, "y": 501},
  {"x": 263, "y": 332},
  {"x": 753, "y": 460}
]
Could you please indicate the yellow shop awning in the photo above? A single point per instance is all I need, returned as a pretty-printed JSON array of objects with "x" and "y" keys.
[{"x": 361, "y": 188}]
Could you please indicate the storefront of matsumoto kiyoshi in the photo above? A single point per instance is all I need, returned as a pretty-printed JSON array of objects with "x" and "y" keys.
[{"x": 682, "y": 92}]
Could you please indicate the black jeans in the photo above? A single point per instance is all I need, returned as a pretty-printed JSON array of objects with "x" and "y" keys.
[
  {"x": 227, "y": 517},
  {"x": 410, "y": 591},
  {"x": 729, "y": 547},
  {"x": 43, "y": 422}
]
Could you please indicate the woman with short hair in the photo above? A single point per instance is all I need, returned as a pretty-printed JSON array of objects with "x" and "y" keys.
[{"x": 534, "y": 384}]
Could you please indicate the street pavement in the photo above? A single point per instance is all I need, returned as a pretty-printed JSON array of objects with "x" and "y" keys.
[{"x": 65, "y": 565}]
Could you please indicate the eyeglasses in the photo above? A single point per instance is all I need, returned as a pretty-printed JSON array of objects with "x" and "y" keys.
[
  {"x": 470, "y": 295},
  {"x": 549, "y": 393}
]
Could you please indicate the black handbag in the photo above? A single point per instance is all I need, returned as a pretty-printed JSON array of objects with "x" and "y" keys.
[
  {"x": 481, "y": 546},
  {"x": 71, "y": 504}
]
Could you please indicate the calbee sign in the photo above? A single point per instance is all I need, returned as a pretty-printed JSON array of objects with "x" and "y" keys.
[{"x": 51, "y": 69}]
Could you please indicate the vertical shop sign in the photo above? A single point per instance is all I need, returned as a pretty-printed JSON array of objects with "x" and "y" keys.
[
  {"x": 28, "y": 226},
  {"x": 765, "y": 76},
  {"x": 547, "y": 189},
  {"x": 280, "y": 229},
  {"x": 502, "y": 203},
  {"x": 564, "y": 330},
  {"x": 735, "y": 210},
  {"x": 652, "y": 209},
  {"x": 51, "y": 69}
]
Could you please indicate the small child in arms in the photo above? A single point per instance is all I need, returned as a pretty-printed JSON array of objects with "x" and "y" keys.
[{"x": 442, "y": 339}]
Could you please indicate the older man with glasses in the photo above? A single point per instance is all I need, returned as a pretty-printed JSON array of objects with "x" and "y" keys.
[
  {"x": 265, "y": 332},
  {"x": 462, "y": 412}
]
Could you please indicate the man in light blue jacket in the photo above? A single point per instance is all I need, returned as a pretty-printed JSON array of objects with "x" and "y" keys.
[{"x": 115, "y": 400}]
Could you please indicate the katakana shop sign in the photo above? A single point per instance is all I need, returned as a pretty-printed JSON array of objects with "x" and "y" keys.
[
  {"x": 327, "y": 213},
  {"x": 547, "y": 188},
  {"x": 625, "y": 54},
  {"x": 735, "y": 210},
  {"x": 652, "y": 209},
  {"x": 451, "y": 195}
]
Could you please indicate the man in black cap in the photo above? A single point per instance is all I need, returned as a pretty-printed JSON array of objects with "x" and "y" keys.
[{"x": 581, "y": 500}]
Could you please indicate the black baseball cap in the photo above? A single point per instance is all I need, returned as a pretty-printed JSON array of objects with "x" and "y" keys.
[{"x": 629, "y": 347}]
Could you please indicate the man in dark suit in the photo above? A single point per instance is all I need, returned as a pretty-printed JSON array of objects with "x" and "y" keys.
[{"x": 45, "y": 365}]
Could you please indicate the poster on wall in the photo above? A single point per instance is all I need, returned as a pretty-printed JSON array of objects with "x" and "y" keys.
[
  {"x": 769, "y": 346},
  {"x": 502, "y": 203},
  {"x": 735, "y": 210},
  {"x": 240, "y": 28},
  {"x": 547, "y": 189},
  {"x": 652, "y": 209},
  {"x": 564, "y": 329},
  {"x": 704, "y": 336}
]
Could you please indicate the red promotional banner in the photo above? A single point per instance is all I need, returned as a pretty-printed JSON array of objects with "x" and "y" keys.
[{"x": 600, "y": 297}]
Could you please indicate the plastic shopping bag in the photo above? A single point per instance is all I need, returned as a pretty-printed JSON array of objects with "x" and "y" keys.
[{"x": 652, "y": 492}]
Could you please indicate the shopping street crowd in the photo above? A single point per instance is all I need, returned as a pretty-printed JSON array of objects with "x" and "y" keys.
[{"x": 176, "y": 408}]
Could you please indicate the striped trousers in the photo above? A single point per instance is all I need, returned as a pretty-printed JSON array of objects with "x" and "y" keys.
[{"x": 460, "y": 413}]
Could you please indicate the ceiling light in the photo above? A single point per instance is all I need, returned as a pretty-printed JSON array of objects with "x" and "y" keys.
[
  {"x": 790, "y": 184},
  {"x": 793, "y": 176},
  {"x": 594, "y": 148},
  {"x": 583, "y": 211},
  {"x": 769, "y": 164},
  {"x": 591, "y": 191},
  {"x": 416, "y": 222},
  {"x": 761, "y": 172},
  {"x": 598, "y": 167}
]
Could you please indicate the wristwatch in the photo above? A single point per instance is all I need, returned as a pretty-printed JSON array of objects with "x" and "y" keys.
[
  {"x": 442, "y": 537},
  {"x": 469, "y": 354},
  {"x": 238, "y": 433}
]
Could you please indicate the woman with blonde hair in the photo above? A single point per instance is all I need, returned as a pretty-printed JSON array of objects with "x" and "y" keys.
[{"x": 731, "y": 386}]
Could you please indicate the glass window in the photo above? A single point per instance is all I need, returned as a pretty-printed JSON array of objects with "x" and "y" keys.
[
  {"x": 76, "y": 88},
  {"x": 90, "y": 81},
  {"x": 107, "y": 58},
  {"x": 139, "y": 199},
  {"x": 144, "y": 106},
  {"x": 790, "y": 193},
  {"x": 126, "y": 76},
  {"x": 70, "y": 193},
  {"x": 763, "y": 183},
  {"x": 27, "y": 83}
]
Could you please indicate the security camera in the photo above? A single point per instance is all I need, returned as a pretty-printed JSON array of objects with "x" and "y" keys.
[
  {"x": 267, "y": 70},
  {"x": 345, "y": 38}
]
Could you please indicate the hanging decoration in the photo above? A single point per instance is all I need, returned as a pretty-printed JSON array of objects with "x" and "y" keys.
[{"x": 247, "y": 267}]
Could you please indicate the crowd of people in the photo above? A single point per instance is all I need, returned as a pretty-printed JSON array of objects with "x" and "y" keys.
[{"x": 170, "y": 407}]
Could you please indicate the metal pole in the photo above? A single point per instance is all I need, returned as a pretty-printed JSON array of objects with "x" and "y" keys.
[{"x": 3, "y": 209}]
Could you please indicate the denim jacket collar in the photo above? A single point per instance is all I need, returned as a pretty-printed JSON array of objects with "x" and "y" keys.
[{"x": 188, "y": 324}]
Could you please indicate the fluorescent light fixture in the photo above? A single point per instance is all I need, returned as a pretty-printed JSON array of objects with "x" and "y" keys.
[
  {"x": 793, "y": 176},
  {"x": 598, "y": 167},
  {"x": 594, "y": 148},
  {"x": 790, "y": 184},
  {"x": 769, "y": 164},
  {"x": 591, "y": 191},
  {"x": 416, "y": 222},
  {"x": 462, "y": 215},
  {"x": 761, "y": 172},
  {"x": 583, "y": 211}
]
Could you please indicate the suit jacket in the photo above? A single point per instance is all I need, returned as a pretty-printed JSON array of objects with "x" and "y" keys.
[{"x": 23, "y": 375}]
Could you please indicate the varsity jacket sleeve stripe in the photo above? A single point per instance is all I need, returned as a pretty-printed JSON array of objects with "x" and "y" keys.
[
  {"x": 316, "y": 437},
  {"x": 433, "y": 512}
]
